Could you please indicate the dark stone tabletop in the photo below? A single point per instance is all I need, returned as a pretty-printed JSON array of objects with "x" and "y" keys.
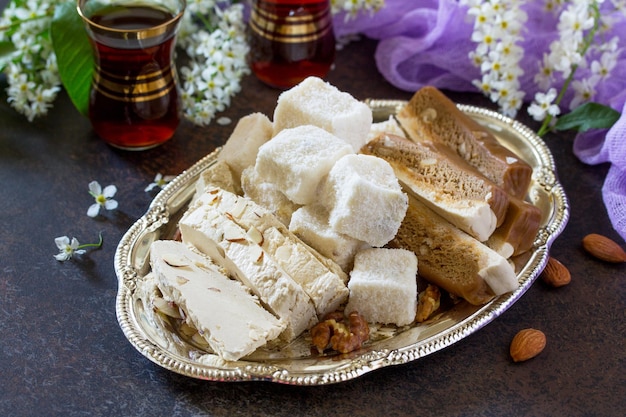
[{"x": 64, "y": 354}]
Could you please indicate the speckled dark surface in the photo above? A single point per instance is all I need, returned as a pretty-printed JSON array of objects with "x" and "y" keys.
[{"x": 63, "y": 353}]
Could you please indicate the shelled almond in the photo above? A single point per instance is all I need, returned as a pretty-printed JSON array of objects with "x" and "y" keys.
[
  {"x": 527, "y": 344},
  {"x": 555, "y": 273},
  {"x": 604, "y": 248}
]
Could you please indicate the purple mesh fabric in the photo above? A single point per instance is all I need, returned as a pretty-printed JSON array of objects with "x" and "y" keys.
[{"x": 598, "y": 147}]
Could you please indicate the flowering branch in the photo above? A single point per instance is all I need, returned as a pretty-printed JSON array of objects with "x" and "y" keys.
[
  {"x": 587, "y": 42},
  {"x": 499, "y": 56},
  {"x": 29, "y": 61},
  {"x": 497, "y": 33},
  {"x": 214, "y": 41}
]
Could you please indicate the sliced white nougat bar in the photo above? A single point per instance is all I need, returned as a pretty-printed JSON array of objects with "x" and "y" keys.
[
  {"x": 225, "y": 313},
  {"x": 321, "y": 278},
  {"x": 228, "y": 244}
]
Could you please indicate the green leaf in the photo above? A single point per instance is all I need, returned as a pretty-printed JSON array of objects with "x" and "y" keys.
[
  {"x": 7, "y": 53},
  {"x": 588, "y": 116},
  {"x": 74, "y": 54}
]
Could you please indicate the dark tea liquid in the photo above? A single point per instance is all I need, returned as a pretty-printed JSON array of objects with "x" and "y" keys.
[
  {"x": 290, "y": 40},
  {"x": 134, "y": 102}
]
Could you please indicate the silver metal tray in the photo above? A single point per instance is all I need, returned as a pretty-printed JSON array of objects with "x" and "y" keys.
[{"x": 158, "y": 340}]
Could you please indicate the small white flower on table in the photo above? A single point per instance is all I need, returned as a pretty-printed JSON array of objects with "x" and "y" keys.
[
  {"x": 67, "y": 248},
  {"x": 104, "y": 198},
  {"x": 160, "y": 181}
]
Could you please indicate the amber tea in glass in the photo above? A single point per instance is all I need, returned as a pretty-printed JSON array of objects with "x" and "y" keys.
[
  {"x": 134, "y": 101},
  {"x": 290, "y": 40}
]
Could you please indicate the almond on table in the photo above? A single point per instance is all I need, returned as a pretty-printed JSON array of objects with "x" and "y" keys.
[
  {"x": 555, "y": 273},
  {"x": 527, "y": 344},
  {"x": 604, "y": 248}
]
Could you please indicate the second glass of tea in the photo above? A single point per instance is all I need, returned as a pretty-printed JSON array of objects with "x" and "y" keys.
[
  {"x": 134, "y": 101},
  {"x": 290, "y": 40}
]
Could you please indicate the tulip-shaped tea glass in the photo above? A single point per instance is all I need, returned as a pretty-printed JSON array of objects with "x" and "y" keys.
[
  {"x": 290, "y": 40},
  {"x": 134, "y": 101}
]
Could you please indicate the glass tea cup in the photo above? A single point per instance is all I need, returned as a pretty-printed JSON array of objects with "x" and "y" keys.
[
  {"x": 290, "y": 40},
  {"x": 134, "y": 101}
]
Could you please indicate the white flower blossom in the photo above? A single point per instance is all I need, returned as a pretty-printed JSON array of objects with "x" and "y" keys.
[
  {"x": 545, "y": 75},
  {"x": 608, "y": 60},
  {"x": 584, "y": 90},
  {"x": 485, "y": 39},
  {"x": 544, "y": 105},
  {"x": 160, "y": 181},
  {"x": 574, "y": 21},
  {"x": 103, "y": 198},
  {"x": 67, "y": 248}
]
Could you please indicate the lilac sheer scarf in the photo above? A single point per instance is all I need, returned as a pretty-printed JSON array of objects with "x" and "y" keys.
[
  {"x": 427, "y": 42},
  {"x": 599, "y": 147}
]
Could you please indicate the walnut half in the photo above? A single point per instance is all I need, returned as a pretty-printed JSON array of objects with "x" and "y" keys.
[
  {"x": 427, "y": 303},
  {"x": 335, "y": 333}
]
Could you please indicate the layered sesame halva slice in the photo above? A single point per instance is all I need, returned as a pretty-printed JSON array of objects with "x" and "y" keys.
[
  {"x": 321, "y": 278},
  {"x": 225, "y": 313},
  {"x": 229, "y": 245}
]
